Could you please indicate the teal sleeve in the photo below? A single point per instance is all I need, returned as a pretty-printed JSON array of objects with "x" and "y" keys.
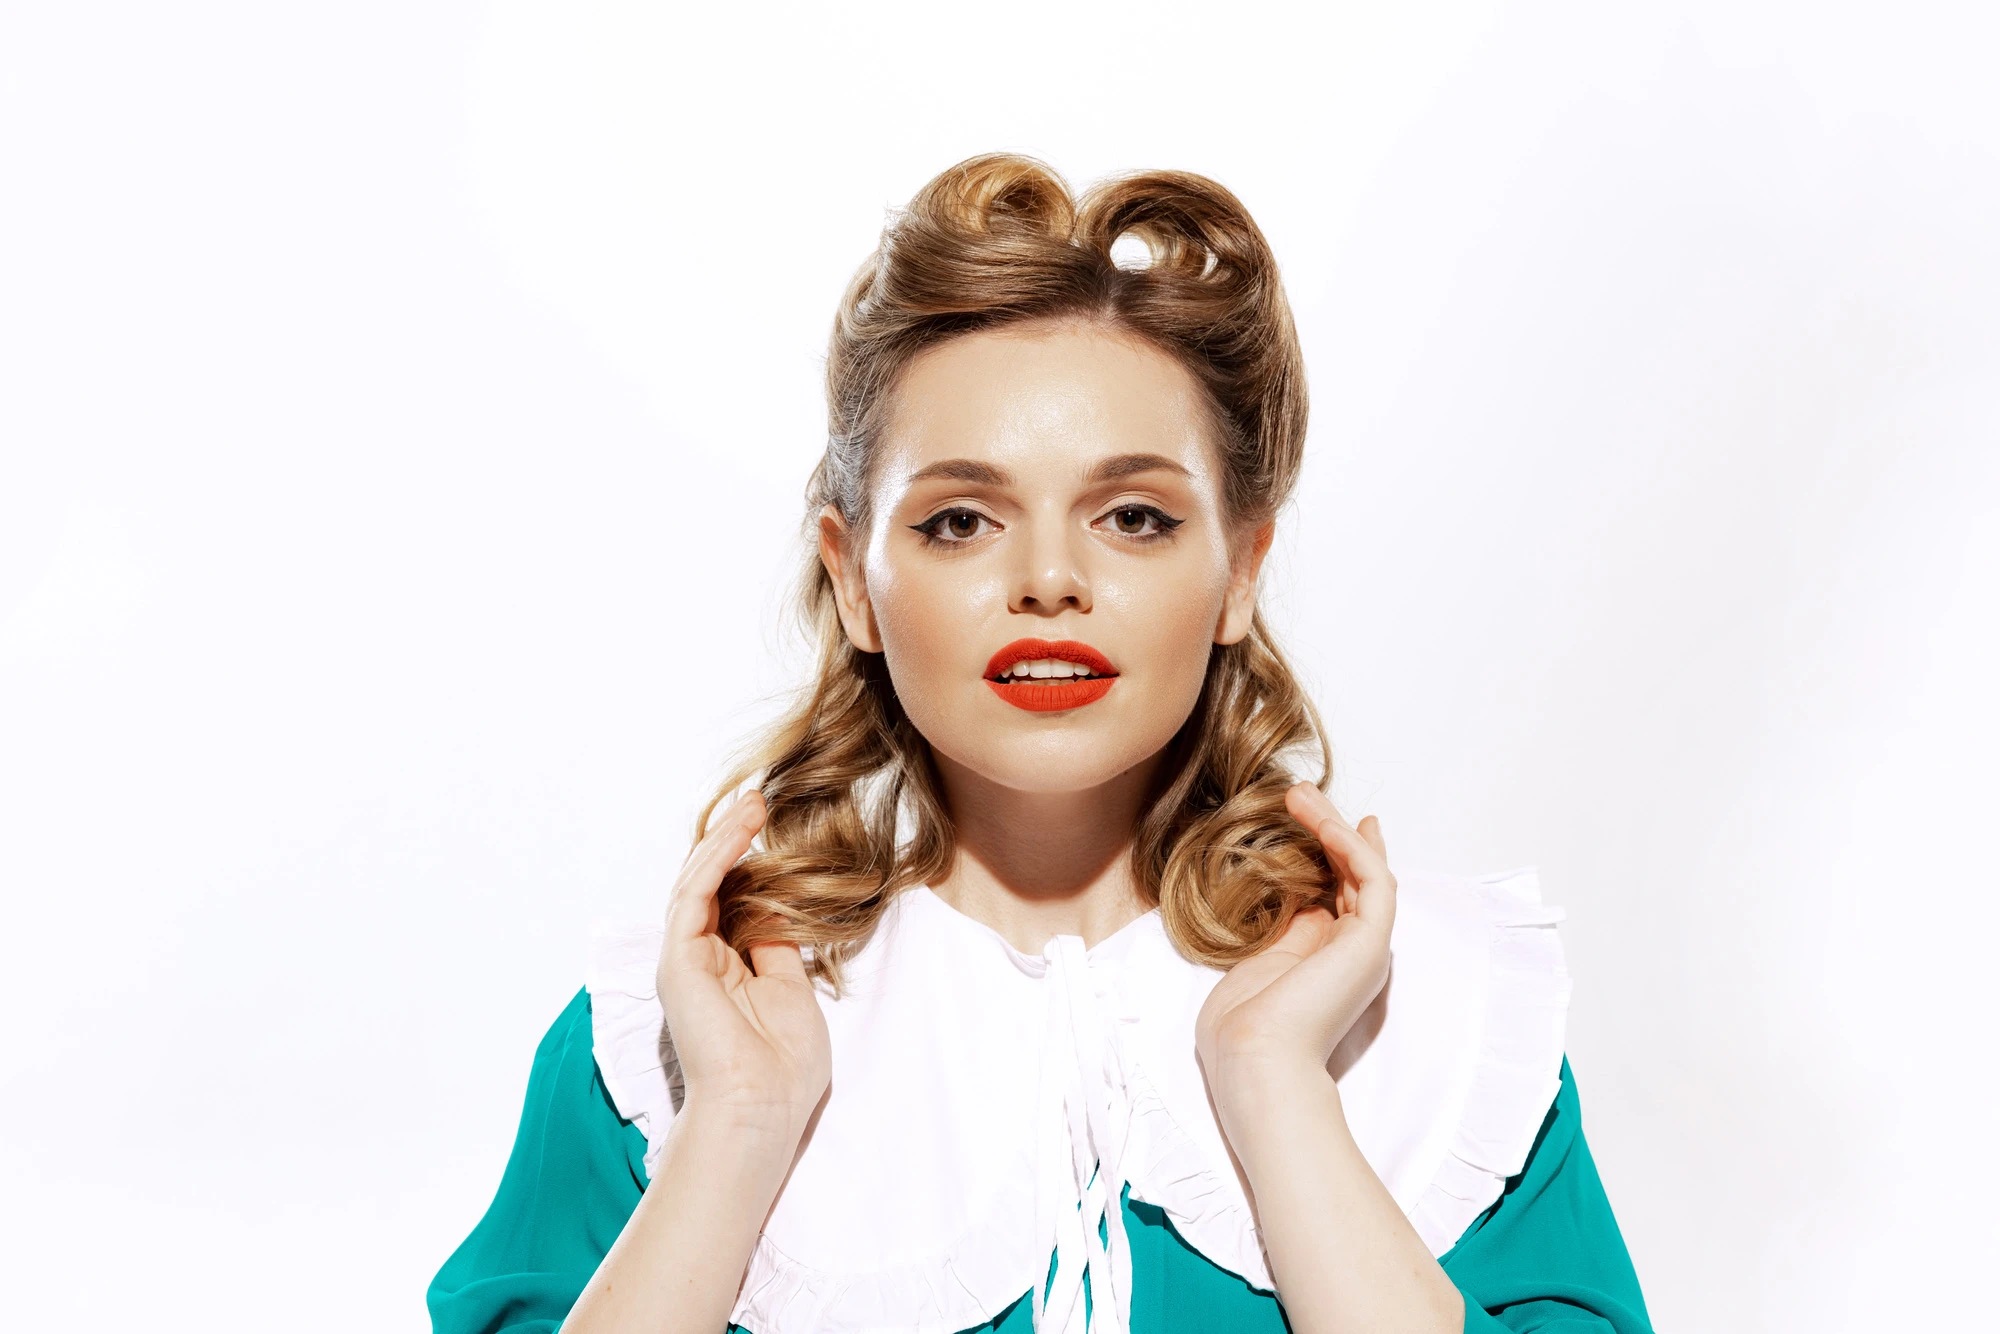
[
  {"x": 575, "y": 1175},
  {"x": 1547, "y": 1258}
]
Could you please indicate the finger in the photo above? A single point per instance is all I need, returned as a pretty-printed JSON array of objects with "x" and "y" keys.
[
  {"x": 726, "y": 841},
  {"x": 1370, "y": 828},
  {"x": 693, "y": 909},
  {"x": 693, "y": 902},
  {"x": 1350, "y": 851},
  {"x": 736, "y": 808},
  {"x": 1311, "y": 808},
  {"x": 777, "y": 959}
]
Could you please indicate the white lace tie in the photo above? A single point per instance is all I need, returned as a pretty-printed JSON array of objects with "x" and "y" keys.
[{"x": 1084, "y": 1118}]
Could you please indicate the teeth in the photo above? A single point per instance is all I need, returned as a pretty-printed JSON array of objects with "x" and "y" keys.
[{"x": 1046, "y": 669}]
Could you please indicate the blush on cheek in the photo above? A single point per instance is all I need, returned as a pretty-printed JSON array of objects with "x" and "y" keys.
[
  {"x": 1185, "y": 644},
  {"x": 1169, "y": 636},
  {"x": 1176, "y": 615},
  {"x": 930, "y": 658}
]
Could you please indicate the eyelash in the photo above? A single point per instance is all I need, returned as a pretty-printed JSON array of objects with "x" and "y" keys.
[{"x": 930, "y": 528}]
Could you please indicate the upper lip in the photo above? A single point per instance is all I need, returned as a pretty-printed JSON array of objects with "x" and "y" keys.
[{"x": 1063, "y": 650}]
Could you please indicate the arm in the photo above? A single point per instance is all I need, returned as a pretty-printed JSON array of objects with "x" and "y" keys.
[
  {"x": 577, "y": 1236},
  {"x": 575, "y": 1191},
  {"x": 1345, "y": 1258},
  {"x": 678, "y": 1261},
  {"x": 754, "y": 1053},
  {"x": 1547, "y": 1256},
  {"x": 1343, "y": 1254}
]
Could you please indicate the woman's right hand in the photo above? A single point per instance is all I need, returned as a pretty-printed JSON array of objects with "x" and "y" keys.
[
  {"x": 751, "y": 1040},
  {"x": 755, "y": 1059}
]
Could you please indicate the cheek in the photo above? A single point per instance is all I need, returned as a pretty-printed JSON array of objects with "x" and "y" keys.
[
  {"x": 932, "y": 623},
  {"x": 1170, "y": 631}
]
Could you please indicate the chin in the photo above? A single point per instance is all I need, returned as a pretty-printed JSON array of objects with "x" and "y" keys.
[
  {"x": 1043, "y": 777},
  {"x": 1052, "y": 753}
]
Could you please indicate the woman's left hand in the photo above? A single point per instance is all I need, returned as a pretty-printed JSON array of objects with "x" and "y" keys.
[{"x": 1281, "y": 1012}]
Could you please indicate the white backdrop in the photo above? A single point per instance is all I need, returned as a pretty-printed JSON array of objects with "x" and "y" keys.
[{"x": 404, "y": 418}]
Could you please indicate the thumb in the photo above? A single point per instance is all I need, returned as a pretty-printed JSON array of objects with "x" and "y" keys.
[
  {"x": 1309, "y": 929},
  {"x": 777, "y": 959}
]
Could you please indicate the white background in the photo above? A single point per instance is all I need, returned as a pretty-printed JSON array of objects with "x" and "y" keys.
[{"x": 404, "y": 419}]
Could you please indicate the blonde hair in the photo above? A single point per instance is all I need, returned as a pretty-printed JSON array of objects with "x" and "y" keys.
[{"x": 993, "y": 241}]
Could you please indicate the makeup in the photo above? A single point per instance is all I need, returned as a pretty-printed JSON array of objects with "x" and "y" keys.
[{"x": 1050, "y": 675}]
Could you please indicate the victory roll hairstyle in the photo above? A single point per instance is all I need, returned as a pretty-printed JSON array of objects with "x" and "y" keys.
[{"x": 1000, "y": 240}]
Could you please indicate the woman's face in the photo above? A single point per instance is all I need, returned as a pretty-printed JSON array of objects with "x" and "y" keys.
[{"x": 1047, "y": 561}]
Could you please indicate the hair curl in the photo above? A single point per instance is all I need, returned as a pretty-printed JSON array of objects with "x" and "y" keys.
[{"x": 999, "y": 240}]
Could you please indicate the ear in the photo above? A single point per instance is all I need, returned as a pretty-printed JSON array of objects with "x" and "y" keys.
[
  {"x": 850, "y": 591},
  {"x": 1239, "y": 602}
]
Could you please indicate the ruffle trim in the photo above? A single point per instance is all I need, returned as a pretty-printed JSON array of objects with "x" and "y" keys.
[
  {"x": 1519, "y": 1069},
  {"x": 1515, "y": 1080},
  {"x": 991, "y": 1265},
  {"x": 988, "y": 1267},
  {"x": 628, "y": 1032},
  {"x": 1171, "y": 1171},
  {"x": 998, "y": 1259}
]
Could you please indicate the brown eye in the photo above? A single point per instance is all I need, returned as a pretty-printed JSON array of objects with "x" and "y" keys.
[
  {"x": 1141, "y": 523},
  {"x": 955, "y": 527}
]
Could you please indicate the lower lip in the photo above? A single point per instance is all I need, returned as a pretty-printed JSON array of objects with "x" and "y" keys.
[{"x": 1045, "y": 696}]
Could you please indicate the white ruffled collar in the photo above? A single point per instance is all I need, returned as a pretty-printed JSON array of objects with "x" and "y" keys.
[{"x": 987, "y": 1101}]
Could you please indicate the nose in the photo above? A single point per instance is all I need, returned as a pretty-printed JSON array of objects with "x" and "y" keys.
[{"x": 1051, "y": 578}]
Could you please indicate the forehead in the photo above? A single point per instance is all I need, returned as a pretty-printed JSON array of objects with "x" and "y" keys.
[{"x": 1041, "y": 397}]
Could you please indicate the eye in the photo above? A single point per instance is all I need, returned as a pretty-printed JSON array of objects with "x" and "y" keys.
[
  {"x": 1144, "y": 522},
  {"x": 953, "y": 526}
]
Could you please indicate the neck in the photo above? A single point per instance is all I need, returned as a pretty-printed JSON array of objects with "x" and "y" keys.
[{"x": 1033, "y": 865}]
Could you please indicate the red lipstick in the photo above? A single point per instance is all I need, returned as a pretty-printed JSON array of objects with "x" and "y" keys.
[{"x": 1049, "y": 694}]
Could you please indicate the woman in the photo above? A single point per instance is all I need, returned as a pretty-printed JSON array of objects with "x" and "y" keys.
[{"x": 1050, "y": 999}]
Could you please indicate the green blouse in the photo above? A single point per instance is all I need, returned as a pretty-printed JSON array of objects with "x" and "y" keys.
[{"x": 1546, "y": 1257}]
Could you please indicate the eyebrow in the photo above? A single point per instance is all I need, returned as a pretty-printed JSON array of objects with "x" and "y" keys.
[
  {"x": 964, "y": 470},
  {"x": 1110, "y": 470},
  {"x": 1127, "y": 465}
]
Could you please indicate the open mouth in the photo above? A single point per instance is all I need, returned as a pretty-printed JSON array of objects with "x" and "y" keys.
[{"x": 1048, "y": 675}]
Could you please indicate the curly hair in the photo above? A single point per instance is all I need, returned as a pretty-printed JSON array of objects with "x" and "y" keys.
[{"x": 855, "y": 808}]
